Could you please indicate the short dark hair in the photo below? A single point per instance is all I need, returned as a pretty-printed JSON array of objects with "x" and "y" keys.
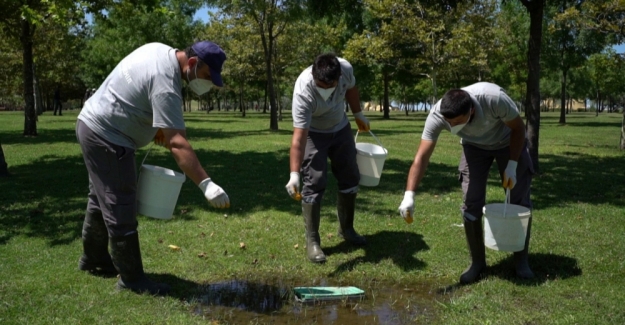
[
  {"x": 191, "y": 53},
  {"x": 326, "y": 68},
  {"x": 455, "y": 102}
]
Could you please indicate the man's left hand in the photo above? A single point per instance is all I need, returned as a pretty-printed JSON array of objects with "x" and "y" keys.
[
  {"x": 362, "y": 122},
  {"x": 509, "y": 175}
]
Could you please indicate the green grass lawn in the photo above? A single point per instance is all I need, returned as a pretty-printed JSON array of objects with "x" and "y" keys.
[{"x": 576, "y": 252}]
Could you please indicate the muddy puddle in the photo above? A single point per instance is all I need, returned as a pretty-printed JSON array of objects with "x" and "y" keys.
[{"x": 249, "y": 302}]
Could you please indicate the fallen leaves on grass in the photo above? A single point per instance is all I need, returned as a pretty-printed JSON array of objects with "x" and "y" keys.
[{"x": 174, "y": 247}]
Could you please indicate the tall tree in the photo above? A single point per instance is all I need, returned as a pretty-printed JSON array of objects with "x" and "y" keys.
[
  {"x": 271, "y": 17},
  {"x": 532, "y": 97},
  {"x": 509, "y": 64},
  {"x": 130, "y": 24},
  {"x": 20, "y": 19},
  {"x": 568, "y": 44}
]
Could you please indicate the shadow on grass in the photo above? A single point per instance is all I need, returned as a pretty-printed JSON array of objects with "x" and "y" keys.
[
  {"x": 405, "y": 245},
  {"x": 181, "y": 289},
  {"x": 546, "y": 267},
  {"x": 47, "y": 197}
]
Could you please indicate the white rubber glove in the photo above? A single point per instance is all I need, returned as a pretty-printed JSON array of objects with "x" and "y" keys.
[
  {"x": 406, "y": 208},
  {"x": 509, "y": 175},
  {"x": 362, "y": 122},
  {"x": 293, "y": 186},
  {"x": 215, "y": 195}
]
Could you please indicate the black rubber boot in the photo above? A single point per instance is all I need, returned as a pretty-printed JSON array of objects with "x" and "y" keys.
[
  {"x": 127, "y": 259},
  {"x": 312, "y": 216},
  {"x": 475, "y": 239},
  {"x": 521, "y": 263},
  {"x": 95, "y": 239},
  {"x": 345, "y": 206}
]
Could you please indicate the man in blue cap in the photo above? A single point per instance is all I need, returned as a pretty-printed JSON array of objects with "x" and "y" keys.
[{"x": 139, "y": 101}]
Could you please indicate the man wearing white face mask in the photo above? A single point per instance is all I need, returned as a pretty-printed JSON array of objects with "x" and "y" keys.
[
  {"x": 321, "y": 131},
  {"x": 490, "y": 128},
  {"x": 139, "y": 101}
]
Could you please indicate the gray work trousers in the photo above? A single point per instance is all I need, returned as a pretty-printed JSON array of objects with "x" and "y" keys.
[
  {"x": 112, "y": 181},
  {"x": 474, "y": 168},
  {"x": 341, "y": 149}
]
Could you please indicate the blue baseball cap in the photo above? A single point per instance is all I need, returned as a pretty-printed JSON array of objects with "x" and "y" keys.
[{"x": 211, "y": 54}]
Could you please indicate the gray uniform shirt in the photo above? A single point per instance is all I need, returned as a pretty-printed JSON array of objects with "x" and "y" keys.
[
  {"x": 141, "y": 95},
  {"x": 493, "y": 107},
  {"x": 309, "y": 109}
]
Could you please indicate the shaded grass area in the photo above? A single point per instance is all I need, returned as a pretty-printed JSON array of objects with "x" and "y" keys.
[{"x": 576, "y": 249}]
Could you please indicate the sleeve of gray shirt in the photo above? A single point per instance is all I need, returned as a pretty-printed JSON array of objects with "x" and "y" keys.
[
  {"x": 505, "y": 107},
  {"x": 434, "y": 124},
  {"x": 301, "y": 108}
]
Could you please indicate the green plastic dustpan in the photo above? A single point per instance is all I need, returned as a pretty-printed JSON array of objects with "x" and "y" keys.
[{"x": 308, "y": 294}]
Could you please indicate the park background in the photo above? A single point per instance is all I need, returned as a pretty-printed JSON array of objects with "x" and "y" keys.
[{"x": 405, "y": 55}]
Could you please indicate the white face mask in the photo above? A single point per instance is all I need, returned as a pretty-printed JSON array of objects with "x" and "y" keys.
[
  {"x": 455, "y": 129},
  {"x": 198, "y": 85},
  {"x": 325, "y": 93}
]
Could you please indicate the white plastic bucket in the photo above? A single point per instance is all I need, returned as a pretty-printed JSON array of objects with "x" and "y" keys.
[
  {"x": 505, "y": 226},
  {"x": 370, "y": 159},
  {"x": 157, "y": 190}
]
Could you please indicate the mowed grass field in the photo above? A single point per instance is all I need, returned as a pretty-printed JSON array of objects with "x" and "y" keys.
[{"x": 577, "y": 249}]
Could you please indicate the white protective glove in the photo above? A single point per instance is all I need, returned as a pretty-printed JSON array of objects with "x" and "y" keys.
[
  {"x": 509, "y": 175},
  {"x": 293, "y": 186},
  {"x": 362, "y": 122},
  {"x": 214, "y": 194},
  {"x": 406, "y": 208}
]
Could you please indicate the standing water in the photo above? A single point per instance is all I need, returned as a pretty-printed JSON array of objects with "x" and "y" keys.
[{"x": 247, "y": 302}]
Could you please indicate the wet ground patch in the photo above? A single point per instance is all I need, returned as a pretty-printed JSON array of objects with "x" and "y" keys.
[{"x": 273, "y": 302}]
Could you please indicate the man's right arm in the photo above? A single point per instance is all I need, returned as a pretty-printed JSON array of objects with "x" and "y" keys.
[
  {"x": 187, "y": 160},
  {"x": 184, "y": 155},
  {"x": 298, "y": 145},
  {"x": 296, "y": 156},
  {"x": 420, "y": 164},
  {"x": 417, "y": 170}
]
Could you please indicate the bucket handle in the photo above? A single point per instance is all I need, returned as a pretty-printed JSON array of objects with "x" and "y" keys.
[
  {"x": 506, "y": 202},
  {"x": 146, "y": 156},
  {"x": 373, "y": 135}
]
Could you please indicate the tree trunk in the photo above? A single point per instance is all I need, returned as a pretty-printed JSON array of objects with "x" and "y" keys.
[
  {"x": 563, "y": 98},
  {"x": 386, "y": 104},
  {"x": 30, "y": 115},
  {"x": 4, "y": 171},
  {"x": 536, "y": 11},
  {"x": 267, "y": 40}
]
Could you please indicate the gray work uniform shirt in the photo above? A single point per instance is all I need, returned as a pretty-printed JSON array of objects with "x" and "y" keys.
[
  {"x": 142, "y": 94},
  {"x": 487, "y": 129},
  {"x": 309, "y": 109}
]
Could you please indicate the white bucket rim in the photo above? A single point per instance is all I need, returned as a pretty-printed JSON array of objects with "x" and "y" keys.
[
  {"x": 495, "y": 210},
  {"x": 163, "y": 172},
  {"x": 371, "y": 154}
]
